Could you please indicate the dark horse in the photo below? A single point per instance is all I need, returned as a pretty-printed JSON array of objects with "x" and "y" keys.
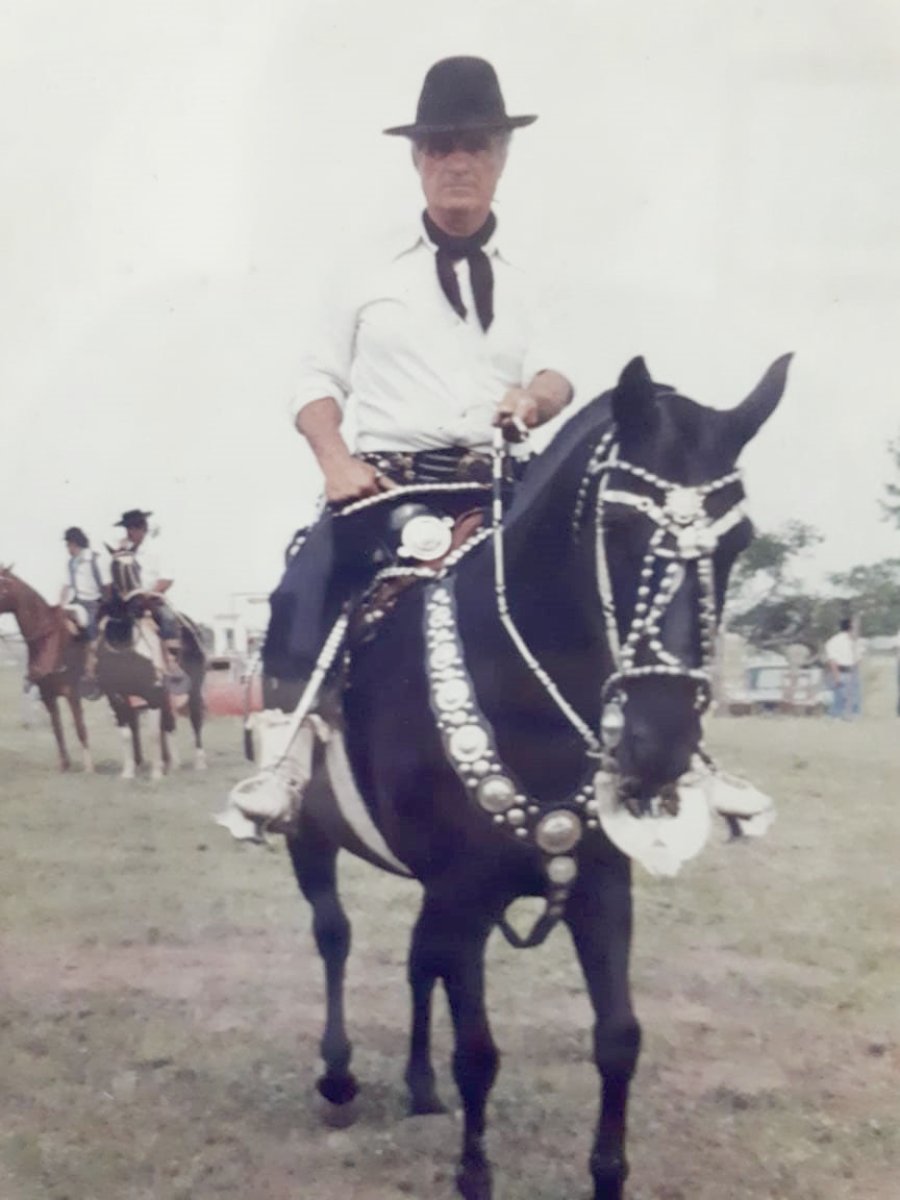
[
  {"x": 56, "y": 657},
  {"x": 130, "y": 671},
  {"x": 474, "y": 727}
]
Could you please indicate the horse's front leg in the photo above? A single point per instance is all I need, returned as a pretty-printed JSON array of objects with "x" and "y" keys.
[
  {"x": 599, "y": 917},
  {"x": 423, "y": 971},
  {"x": 453, "y": 939},
  {"x": 314, "y": 859},
  {"x": 127, "y": 722},
  {"x": 80, "y": 726},
  {"x": 196, "y": 712},
  {"x": 51, "y": 703}
]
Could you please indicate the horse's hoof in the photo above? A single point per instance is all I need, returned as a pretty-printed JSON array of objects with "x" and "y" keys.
[
  {"x": 474, "y": 1182},
  {"x": 338, "y": 1116},
  {"x": 609, "y": 1178},
  {"x": 337, "y": 1089},
  {"x": 200, "y": 763}
]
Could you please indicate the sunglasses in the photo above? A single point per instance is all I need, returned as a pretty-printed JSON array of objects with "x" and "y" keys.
[{"x": 471, "y": 141}]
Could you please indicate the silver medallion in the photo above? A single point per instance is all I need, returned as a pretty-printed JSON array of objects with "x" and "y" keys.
[
  {"x": 496, "y": 793},
  {"x": 451, "y": 695},
  {"x": 468, "y": 743},
  {"x": 558, "y": 832}
]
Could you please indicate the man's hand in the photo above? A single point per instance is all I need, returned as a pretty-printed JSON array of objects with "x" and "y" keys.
[
  {"x": 546, "y": 395},
  {"x": 346, "y": 478},
  {"x": 351, "y": 479},
  {"x": 518, "y": 405}
]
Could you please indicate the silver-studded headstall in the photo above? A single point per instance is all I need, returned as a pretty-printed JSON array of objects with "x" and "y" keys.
[
  {"x": 471, "y": 749},
  {"x": 684, "y": 533}
]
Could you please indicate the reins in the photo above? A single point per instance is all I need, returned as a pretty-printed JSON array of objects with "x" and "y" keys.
[{"x": 593, "y": 743}]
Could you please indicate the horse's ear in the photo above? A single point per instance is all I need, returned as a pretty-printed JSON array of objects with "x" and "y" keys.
[
  {"x": 746, "y": 420},
  {"x": 634, "y": 398}
]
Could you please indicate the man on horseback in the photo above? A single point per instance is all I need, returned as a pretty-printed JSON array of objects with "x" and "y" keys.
[
  {"x": 155, "y": 584},
  {"x": 87, "y": 577},
  {"x": 436, "y": 339}
]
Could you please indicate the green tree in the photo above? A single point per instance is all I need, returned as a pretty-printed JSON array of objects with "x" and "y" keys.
[
  {"x": 769, "y": 604},
  {"x": 873, "y": 592}
]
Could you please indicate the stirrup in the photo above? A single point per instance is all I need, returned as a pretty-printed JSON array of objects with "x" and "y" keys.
[
  {"x": 270, "y": 799},
  {"x": 269, "y": 795}
]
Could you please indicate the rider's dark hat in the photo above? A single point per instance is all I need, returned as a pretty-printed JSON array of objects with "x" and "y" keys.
[
  {"x": 134, "y": 518},
  {"x": 460, "y": 93},
  {"x": 76, "y": 535}
]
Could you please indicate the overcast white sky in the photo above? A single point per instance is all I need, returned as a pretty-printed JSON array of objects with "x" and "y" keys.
[{"x": 719, "y": 179}]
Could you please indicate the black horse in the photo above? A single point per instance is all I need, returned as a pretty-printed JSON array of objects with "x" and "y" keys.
[
  {"x": 474, "y": 722},
  {"x": 130, "y": 671}
]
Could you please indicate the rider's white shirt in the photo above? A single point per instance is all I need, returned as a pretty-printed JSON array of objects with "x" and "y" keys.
[
  {"x": 417, "y": 375},
  {"x": 85, "y": 583},
  {"x": 150, "y": 562}
]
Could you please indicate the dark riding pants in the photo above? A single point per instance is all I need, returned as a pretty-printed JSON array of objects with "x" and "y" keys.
[{"x": 334, "y": 561}]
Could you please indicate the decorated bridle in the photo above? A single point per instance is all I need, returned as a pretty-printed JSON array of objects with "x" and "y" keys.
[{"x": 684, "y": 533}]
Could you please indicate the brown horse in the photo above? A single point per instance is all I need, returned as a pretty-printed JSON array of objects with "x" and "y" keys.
[{"x": 56, "y": 657}]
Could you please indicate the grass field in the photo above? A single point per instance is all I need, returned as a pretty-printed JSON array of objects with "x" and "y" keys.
[{"x": 161, "y": 1002}]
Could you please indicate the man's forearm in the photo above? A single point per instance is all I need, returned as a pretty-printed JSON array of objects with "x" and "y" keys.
[
  {"x": 320, "y": 424},
  {"x": 551, "y": 391}
]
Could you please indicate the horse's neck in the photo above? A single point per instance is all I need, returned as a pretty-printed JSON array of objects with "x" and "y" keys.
[
  {"x": 552, "y": 598},
  {"x": 32, "y": 612}
]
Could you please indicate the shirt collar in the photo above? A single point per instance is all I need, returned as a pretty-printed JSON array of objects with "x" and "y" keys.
[{"x": 414, "y": 236}]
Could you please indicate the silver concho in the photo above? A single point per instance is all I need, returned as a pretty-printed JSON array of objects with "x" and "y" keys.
[
  {"x": 468, "y": 743},
  {"x": 451, "y": 695},
  {"x": 440, "y": 618},
  {"x": 516, "y": 816},
  {"x": 558, "y": 832},
  {"x": 496, "y": 793},
  {"x": 684, "y": 505},
  {"x": 562, "y": 869},
  {"x": 442, "y": 656},
  {"x": 425, "y": 537}
]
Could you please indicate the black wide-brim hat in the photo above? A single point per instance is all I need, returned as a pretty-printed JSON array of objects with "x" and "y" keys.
[
  {"x": 460, "y": 93},
  {"x": 134, "y": 517}
]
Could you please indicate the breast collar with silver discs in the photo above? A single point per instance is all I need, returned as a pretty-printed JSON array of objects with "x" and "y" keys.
[{"x": 471, "y": 750}]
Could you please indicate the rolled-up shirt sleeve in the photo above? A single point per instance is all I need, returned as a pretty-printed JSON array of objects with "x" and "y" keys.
[
  {"x": 550, "y": 342},
  {"x": 325, "y": 362}
]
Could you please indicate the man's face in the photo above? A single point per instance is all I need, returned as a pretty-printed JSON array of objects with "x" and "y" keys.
[
  {"x": 73, "y": 548},
  {"x": 135, "y": 533},
  {"x": 459, "y": 173}
]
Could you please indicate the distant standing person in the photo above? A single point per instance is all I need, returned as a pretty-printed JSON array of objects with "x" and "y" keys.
[{"x": 842, "y": 654}]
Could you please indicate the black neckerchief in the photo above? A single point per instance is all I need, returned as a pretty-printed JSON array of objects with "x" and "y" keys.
[{"x": 450, "y": 250}]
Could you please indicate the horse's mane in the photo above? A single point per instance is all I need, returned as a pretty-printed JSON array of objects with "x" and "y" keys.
[{"x": 567, "y": 453}]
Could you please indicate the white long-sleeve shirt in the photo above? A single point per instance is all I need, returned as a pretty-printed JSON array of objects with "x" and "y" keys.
[
  {"x": 80, "y": 569},
  {"x": 419, "y": 376}
]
